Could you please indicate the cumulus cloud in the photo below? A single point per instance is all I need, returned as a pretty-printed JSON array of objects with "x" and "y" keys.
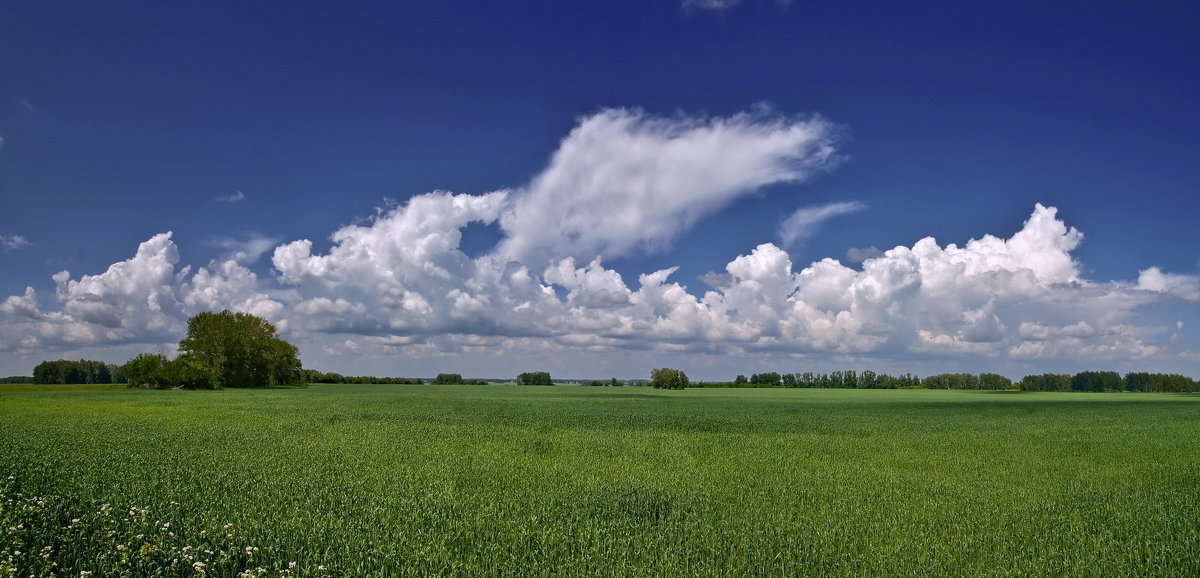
[
  {"x": 13, "y": 242},
  {"x": 399, "y": 283},
  {"x": 1186, "y": 287},
  {"x": 624, "y": 181},
  {"x": 142, "y": 299},
  {"x": 806, "y": 221},
  {"x": 232, "y": 198}
]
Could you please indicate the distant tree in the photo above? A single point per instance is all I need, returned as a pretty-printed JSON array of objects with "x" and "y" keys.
[
  {"x": 1097, "y": 381},
  {"x": 146, "y": 370},
  {"x": 1046, "y": 382},
  {"x": 448, "y": 379},
  {"x": 535, "y": 378},
  {"x": 241, "y": 349},
  {"x": 770, "y": 379},
  {"x": 82, "y": 371},
  {"x": 740, "y": 380},
  {"x": 993, "y": 381},
  {"x": 614, "y": 382},
  {"x": 667, "y": 378},
  {"x": 17, "y": 379}
]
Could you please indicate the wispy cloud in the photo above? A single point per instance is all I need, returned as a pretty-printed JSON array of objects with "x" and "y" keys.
[
  {"x": 806, "y": 221},
  {"x": 625, "y": 182},
  {"x": 718, "y": 5},
  {"x": 710, "y": 4},
  {"x": 246, "y": 250},
  {"x": 13, "y": 242},
  {"x": 235, "y": 197}
]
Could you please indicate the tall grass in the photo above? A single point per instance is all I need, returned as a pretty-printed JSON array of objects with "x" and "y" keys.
[{"x": 495, "y": 480}]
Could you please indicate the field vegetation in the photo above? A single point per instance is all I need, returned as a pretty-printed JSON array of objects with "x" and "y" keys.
[{"x": 352, "y": 480}]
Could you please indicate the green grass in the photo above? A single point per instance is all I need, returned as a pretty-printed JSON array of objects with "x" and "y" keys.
[{"x": 570, "y": 481}]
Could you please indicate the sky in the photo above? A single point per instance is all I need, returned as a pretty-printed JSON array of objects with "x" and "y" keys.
[{"x": 600, "y": 188}]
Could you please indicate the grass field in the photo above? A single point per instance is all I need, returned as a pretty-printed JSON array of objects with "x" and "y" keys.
[{"x": 573, "y": 481}]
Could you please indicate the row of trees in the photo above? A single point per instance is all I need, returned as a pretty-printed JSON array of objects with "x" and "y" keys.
[
  {"x": 314, "y": 376},
  {"x": 82, "y": 371},
  {"x": 838, "y": 379},
  {"x": 1110, "y": 381},
  {"x": 1096, "y": 381}
]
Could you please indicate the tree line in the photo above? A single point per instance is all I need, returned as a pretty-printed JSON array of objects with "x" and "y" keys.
[
  {"x": 1090, "y": 381},
  {"x": 63, "y": 371}
]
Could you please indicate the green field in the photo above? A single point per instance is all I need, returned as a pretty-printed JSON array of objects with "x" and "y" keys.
[{"x": 353, "y": 480}]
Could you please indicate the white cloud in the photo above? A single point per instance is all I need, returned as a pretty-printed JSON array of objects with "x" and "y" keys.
[
  {"x": 13, "y": 242},
  {"x": 400, "y": 284},
  {"x": 233, "y": 198},
  {"x": 806, "y": 221},
  {"x": 623, "y": 181},
  {"x": 1186, "y": 287},
  {"x": 143, "y": 299}
]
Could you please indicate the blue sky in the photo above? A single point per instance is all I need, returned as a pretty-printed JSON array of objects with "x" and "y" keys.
[{"x": 655, "y": 136}]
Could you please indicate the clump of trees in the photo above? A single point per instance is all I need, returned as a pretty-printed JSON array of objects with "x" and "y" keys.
[
  {"x": 667, "y": 378},
  {"x": 221, "y": 350},
  {"x": 155, "y": 370},
  {"x": 455, "y": 379},
  {"x": 83, "y": 371},
  {"x": 535, "y": 378},
  {"x": 17, "y": 379}
]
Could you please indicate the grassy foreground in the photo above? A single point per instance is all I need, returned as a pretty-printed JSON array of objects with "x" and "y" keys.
[{"x": 353, "y": 480}]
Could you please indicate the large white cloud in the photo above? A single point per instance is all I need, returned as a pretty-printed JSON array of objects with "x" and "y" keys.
[
  {"x": 624, "y": 181},
  {"x": 143, "y": 299}
]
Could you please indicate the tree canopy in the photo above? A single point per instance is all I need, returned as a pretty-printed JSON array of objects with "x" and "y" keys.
[
  {"x": 667, "y": 378},
  {"x": 535, "y": 378},
  {"x": 241, "y": 349}
]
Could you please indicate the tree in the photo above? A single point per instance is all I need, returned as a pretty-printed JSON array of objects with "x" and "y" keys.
[
  {"x": 448, "y": 379},
  {"x": 241, "y": 349},
  {"x": 770, "y": 378},
  {"x": 667, "y": 378},
  {"x": 145, "y": 370},
  {"x": 535, "y": 378}
]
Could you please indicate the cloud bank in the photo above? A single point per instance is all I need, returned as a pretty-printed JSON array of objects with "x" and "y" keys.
[{"x": 623, "y": 182}]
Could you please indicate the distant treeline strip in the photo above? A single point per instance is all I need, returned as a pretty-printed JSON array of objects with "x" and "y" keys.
[
  {"x": 1094, "y": 381},
  {"x": 314, "y": 376},
  {"x": 65, "y": 371}
]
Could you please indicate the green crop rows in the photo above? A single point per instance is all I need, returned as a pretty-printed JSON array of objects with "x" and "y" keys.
[{"x": 356, "y": 480}]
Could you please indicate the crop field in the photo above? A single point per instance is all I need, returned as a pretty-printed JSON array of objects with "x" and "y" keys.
[{"x": 357, "y": 480}]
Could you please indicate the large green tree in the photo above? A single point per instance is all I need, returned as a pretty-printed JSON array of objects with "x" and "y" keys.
[
  {"x": 535, "y": 378},
  {"x": 243, "y": 350},
  {"x": 667, "y": 378}
]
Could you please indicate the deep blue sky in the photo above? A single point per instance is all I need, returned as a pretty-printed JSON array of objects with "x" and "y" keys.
[{"x": 127, "y": 119}]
